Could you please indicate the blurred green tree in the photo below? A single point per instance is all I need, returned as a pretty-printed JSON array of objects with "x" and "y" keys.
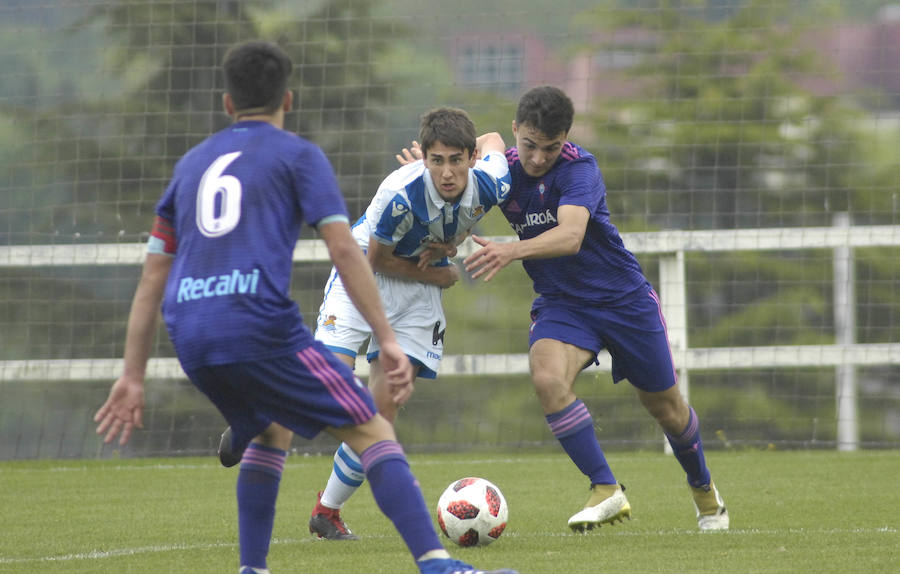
[
  {"x": 95, "y": 166},
  {"x": 730, "y": 123}
]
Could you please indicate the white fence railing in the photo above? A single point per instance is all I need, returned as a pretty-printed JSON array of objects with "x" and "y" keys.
[{"x": 845, "y": 355}]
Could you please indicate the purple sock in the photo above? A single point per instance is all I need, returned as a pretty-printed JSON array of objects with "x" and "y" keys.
[
  {"x": 257, "y": 489},
  {"x": 688, "y": 449},
  {"x": 397, "y": 493},
  {"x": 573, "y": 427}
]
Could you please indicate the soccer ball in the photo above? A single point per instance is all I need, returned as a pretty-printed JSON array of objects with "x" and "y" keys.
[{"x": 472, "y": 512}]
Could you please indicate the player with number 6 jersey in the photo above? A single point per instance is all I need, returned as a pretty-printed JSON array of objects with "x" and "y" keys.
[
  {"x": 229, "y": 287},
  {"x": 220, "y": 261}
]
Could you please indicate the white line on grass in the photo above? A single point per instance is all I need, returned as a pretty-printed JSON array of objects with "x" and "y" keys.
[
  {"x": 100, "y": 554},
  {"x": 160, "y": 548}
]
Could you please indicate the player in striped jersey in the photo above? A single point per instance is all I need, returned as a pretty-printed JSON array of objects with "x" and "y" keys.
[
  {"x": 418, "y": 216},
  {"x": 592, "y": 295},
  {"x": 220, "y": 260}
]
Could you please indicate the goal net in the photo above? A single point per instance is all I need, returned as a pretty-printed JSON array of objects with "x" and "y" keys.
[{"x": 748, "y": 148}]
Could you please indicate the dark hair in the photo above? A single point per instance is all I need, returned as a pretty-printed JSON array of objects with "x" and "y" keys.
[
  {"x": 546, "y": 109},
  {"x": 450, "y": 126},
  {"x": 256, "y": 75}
]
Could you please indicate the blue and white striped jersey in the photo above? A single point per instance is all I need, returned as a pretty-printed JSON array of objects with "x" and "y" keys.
[{"x": 408, "y": 212}]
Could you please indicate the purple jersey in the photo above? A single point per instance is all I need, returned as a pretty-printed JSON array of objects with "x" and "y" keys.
[
  {"x": 236, "y": 203},
  {"x": 603, "y": 271}
]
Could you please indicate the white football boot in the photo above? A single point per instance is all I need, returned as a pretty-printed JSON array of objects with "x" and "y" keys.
[{"x": 606, "y": 505}]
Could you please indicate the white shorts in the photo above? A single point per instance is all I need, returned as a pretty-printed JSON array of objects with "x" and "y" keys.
[{"x": 413, "y": 309}]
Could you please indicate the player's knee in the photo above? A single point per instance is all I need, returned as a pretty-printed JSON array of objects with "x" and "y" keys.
[
  {"x": 384, "y": 402},
  {"x": 361, "y": 437},
  {"x": 670, "y": 411},
  {"x": 388, "y": 410},
  {"x": 551, "y": 390}
]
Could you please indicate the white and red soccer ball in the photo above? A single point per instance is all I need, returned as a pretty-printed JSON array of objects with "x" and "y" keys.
[{"x": 472, "y": 512}]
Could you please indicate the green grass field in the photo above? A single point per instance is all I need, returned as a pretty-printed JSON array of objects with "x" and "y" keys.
[{"x": 790, "y": 512}]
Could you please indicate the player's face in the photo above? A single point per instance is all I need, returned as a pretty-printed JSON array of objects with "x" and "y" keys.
[
  {"x": 537, "y": 151},
  {"x": 449, "y": 169}
]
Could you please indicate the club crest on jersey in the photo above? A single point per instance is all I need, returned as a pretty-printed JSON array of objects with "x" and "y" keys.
[
  {"x": 398, "y": 209},
  {"x": 330, "y": 323},
  {"x": 477, "y": 212}
]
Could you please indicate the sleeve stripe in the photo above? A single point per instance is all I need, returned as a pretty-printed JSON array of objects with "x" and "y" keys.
[
  {"x": 157, "y": 246},
  {"x": 162, "y": 237},
  {"x": 333, "y": 219}
]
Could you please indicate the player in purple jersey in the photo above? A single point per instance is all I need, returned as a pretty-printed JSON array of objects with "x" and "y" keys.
[
  {"x": 220, "y": 258},
  {"x": 592, "y": 295}
]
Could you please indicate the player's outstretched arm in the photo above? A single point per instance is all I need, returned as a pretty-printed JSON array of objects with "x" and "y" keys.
[
  {"x": 356, "y": 274},
  {"x": 123, "y": 409},
  {"x": 490, "y": 258},
  {"x": 564, "y": 239}
]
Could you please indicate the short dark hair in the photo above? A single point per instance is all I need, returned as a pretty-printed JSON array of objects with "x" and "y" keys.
[
  {"x": 449, "y": 126},
  {"x": 256, "y": 75},
  {"x": 546, "y": 109}
]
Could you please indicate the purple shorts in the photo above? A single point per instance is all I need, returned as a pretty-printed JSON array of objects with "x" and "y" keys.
[
  {"x": 305, "y": 392},
  {"x": 633, "y": 331}
]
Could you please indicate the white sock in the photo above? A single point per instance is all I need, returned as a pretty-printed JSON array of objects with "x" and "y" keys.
[{"x": 347, "y": 476}]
